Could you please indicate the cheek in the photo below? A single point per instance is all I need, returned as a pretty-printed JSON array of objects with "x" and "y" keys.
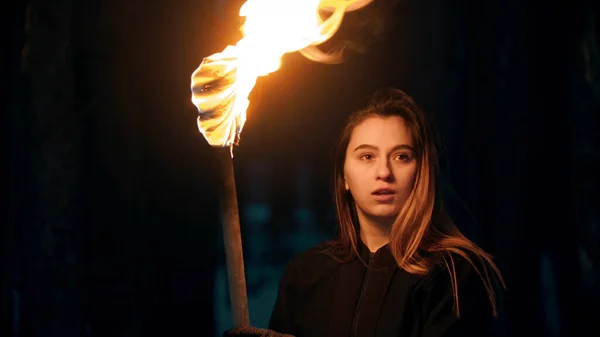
[
  {"x": 353, "y": 177},
  {"x": 410, "y": 180},
  {"x": 406, "y": 178}
]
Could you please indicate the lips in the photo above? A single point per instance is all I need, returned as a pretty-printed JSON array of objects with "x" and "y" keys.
[
  {"x": 384, "y": 191},
  {"x": 384, "y": 195}
]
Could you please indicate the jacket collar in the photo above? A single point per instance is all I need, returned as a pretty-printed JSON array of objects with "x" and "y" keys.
[{"x": 382, "y": 258}]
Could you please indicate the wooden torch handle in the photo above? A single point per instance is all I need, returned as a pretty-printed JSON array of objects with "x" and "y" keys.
[{"x": 232, "y": 237}]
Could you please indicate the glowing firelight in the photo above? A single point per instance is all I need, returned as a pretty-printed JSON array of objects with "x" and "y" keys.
[{"x": 223, "y": 82}]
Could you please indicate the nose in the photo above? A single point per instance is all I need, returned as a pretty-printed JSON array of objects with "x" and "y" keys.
[{"x": 383, "y": 171}]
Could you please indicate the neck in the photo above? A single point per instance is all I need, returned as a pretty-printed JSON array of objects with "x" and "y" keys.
[{"x": 375, "y": 233}]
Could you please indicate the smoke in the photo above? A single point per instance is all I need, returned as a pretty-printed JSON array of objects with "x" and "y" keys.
[{"x": 360, "y": 29}]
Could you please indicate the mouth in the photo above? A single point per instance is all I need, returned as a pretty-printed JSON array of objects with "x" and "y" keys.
[
  {"x": 384, "y": 195},
  {"x": 384, "y": 192}
]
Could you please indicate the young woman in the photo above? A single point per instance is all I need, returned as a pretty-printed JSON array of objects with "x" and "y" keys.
[{"x": 399, "y": 266}]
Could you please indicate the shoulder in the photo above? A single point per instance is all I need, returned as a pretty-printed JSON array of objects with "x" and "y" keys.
[
  {"x": 471, "y": 312},
  {"x": 310, "y": 264},
  {"x": 466, "y": 271},
  {"x": 471, "y": 280}
]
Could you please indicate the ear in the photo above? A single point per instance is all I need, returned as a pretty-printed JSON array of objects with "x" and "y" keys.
[{"x": 346, "y": 185}]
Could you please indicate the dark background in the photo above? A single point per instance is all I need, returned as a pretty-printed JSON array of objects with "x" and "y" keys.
[{"x": 112, "y": 225}]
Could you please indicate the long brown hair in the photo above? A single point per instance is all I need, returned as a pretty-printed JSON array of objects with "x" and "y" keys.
[{"x": 422, "y": 228}]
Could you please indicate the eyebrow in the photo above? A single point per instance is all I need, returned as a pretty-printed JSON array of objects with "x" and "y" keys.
[{"x": 373, "y": 147}]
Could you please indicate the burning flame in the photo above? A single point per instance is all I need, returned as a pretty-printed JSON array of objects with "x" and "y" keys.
[{"x": 223, "y": 82}]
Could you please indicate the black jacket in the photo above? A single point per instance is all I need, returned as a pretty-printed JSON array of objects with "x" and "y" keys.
[{"x": 320, "y": 297}]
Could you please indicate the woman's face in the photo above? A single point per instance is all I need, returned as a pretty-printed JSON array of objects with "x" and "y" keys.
[{"x": 380, "y": 167}]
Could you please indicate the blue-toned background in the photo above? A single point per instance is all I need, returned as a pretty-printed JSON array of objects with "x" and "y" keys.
[{"x": 112, "y": 223}]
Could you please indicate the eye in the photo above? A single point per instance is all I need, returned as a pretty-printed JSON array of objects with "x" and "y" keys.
[
  {"x": 367, "y": 156},
  {"x": 403, "y": 157}
]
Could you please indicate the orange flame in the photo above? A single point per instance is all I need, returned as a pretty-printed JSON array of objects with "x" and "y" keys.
[{"x": 222, "y": 83}]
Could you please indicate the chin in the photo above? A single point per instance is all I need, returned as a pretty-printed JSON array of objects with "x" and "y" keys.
[
  {"x": 384, "y": 216},
  {"x": 384, "y": 212}
]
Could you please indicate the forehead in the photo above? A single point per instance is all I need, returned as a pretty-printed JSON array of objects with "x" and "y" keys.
[{"x": 381, "y": 132}]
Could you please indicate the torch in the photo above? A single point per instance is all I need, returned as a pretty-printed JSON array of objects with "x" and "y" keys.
[{"x": 223, "y": 82}]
